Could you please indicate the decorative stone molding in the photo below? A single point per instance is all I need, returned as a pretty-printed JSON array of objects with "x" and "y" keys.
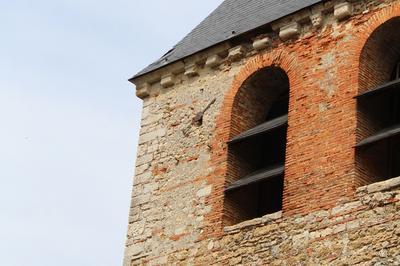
[
  {"x": 236, "y": 53},
  {"x": 168, "y": 80},
  {"x": 263, "y": 43},
  {"x": 289, "y": 31},
  {"x": 143, "y": 91},
  {"x": 343, "y": 11},
  {"x": 316, "y": 20},
  {"x": 288, "y": 27},
  {"x": 191, "y": 70},
  {"x": 213, "y": 61}
]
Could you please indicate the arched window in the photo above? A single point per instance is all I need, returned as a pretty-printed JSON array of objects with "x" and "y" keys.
[
  {"x": 378, "y": 106},
  {"x": 256, "y": 151}
]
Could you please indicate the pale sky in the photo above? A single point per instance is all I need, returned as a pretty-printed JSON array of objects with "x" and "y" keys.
[{"x": 70, "y": 121}]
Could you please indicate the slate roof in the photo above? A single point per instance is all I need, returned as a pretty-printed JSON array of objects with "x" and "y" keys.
[{"x": 239, "y": 16}]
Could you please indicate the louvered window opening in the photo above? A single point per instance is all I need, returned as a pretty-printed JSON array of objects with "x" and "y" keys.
[
  {"x": 262, "y": 149},
  {"x": 380, "y": 106}
]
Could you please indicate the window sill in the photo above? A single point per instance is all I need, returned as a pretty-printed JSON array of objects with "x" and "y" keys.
[
  {"x": 254, "y": 222},
  {"x": 379, "y": 186}
]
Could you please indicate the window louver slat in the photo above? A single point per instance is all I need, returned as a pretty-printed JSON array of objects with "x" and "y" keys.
[
  {"x": 260, "y": 129},
  {"x": 381, "y": 135},
  {"x": 256, "y": 177},
  {"x": 387, "y": 86}
]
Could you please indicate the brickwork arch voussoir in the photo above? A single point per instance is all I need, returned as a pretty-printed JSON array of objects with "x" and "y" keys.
[
  {"x": 370, "y": 26},
  {"x": 276, "y": 58}
]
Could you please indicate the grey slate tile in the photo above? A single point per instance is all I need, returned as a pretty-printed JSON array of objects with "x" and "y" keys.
[{"x": 232, "y": 15}]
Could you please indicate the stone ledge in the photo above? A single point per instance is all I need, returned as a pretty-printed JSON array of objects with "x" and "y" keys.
[
  {"x": 254, "y": 222},
  {"x": 380, "y": 186},
  {"x": 338, "y": 210}
]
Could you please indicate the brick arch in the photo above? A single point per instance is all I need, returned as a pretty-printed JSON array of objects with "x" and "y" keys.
[
  {"x": 363, "y": 34},
  {"x": 350, "y": 70},
  {"x": 219, "y": 157},
  {"x": 369, "y": 75},
  {"x": 280, "y": 59},
  {"x": 289, "y": 63}
]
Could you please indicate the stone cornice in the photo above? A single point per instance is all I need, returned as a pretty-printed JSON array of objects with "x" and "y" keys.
[{"x": 287, "y": 29}]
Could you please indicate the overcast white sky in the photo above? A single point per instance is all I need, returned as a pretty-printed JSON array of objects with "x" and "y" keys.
[{"x": 69, "y": 121}]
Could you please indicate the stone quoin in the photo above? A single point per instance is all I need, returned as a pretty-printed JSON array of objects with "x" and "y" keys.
[{"x": 272, "y": 140}]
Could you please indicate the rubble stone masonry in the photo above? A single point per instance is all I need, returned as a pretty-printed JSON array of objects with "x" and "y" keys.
[{"x": 331, "y": 213}]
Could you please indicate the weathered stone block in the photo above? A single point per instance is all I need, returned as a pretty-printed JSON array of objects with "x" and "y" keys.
[
  {"x": 204, "y": 192},
  {"x": 339, "y": 228},
  {"x": 191, "y": 70},
  {"x": 134, "y": 250},
  {"x": 213, "y": 61},
  {"x": 236, "y": 53},
  {"x": 140, "y": 169},
  {"x": 289, "y": 31},
  {"x": 136, "y": 229},
  {"x": 352, "y": 225},
  {"x": 142, "y": 178},
  {"x": 152, "y": 135},
  {"x": 143, "y": 91},
  {"x": 150, "y": 188},
  {"x": 152, "y": 119},
  {"x": 168, "y": 80},
  {"x": 144, "y": 159},
  {"x": 271, "y": 217},
  {"x": 139, "y": 200},
  {"x": 262, "y": 43},
  {"x": 343, "y": 10}
]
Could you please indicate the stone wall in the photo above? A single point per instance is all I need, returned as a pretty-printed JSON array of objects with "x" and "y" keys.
[
  {"x": 177, "y": 208},
  {"x": 365, "y": 231},
  {"x": 173, "y": 166}
]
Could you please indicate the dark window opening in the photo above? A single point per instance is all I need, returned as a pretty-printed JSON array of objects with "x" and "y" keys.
[
  {"x": 379, "y": 147},
  {"x": 280, "y": 107},
  {"x": 257, "y": 152},
  {"x": 396, "y": 72},
  {"x": 263, "y": 150},
  {"x": 258, "y": 199},
  {"x": 395, "y": 160}
]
